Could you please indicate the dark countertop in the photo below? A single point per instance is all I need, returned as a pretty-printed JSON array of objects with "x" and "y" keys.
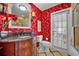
[{"x": 13, "y": 39}]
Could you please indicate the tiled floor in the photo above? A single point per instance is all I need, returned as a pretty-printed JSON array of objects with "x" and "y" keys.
[{"x": 53, "y": 52}]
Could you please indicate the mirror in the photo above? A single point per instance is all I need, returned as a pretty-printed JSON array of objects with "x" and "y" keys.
[{"x": 23, "y": 13}]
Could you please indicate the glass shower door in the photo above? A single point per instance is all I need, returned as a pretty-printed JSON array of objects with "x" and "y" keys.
[{"x": 60, "y": 29}]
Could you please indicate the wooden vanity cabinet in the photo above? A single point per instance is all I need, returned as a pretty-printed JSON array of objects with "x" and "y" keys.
[
  {"x": 18, "y": 48},
  {"x": 34, "y": 50},
  {"x": 24, "y": 48},
  {"x": 7, "y": 48}
]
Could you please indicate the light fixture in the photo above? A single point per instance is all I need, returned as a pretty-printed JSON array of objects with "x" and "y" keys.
[
  {"x": 22, "y": 7},
  {"x": 33, "y": 13}
]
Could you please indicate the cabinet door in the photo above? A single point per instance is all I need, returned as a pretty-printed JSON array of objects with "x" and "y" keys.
[
  {"x": 8, "y": 49},
  {"x": 25, "y": 48},
  {"x": 34, "y": 50}
]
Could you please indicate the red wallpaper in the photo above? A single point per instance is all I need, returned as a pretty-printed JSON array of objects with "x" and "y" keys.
[
  {"x": 46, "y": 18},
  {"x": 33, "y": 24},
  {"x": 38, "y": 16}
]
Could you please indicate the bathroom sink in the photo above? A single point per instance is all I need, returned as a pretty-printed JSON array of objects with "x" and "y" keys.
[{"x": 4, "y": 34}]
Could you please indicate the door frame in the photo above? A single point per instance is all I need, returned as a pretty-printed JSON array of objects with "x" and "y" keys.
[{"x": 69, "y": 34}]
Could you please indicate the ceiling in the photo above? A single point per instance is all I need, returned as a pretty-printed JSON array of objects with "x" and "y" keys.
[{"x": 44, "y": 6}]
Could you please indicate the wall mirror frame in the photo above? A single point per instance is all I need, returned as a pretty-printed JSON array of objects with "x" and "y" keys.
[{"x": 23, "y": 16}]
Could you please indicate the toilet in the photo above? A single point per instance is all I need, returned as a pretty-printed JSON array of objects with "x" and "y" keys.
[{"x": 41, "y": 44}]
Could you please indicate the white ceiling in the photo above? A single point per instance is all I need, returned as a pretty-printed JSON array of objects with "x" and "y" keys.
[{"x": 44, "y": 6}]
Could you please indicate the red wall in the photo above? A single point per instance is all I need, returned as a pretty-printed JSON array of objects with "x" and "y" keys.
[
  {"x": 38, "y": 16},
  {"x": 33, "y": 24},
  {"x": 46, "y": 18}
]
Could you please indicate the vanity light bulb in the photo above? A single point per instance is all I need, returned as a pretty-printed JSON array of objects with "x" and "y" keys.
[
  {"x": 33, "y": 13},
  {"x": 22, "y": 8}
]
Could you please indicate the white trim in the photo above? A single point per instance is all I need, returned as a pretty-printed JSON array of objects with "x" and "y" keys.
[
  {"x": 52, "y": 20},
  {"x": 61, "y": 10},
  {"x": 71, "y": 26},
  {"x": 72, "y": 35},
  {"x": 70, "y": 31}
]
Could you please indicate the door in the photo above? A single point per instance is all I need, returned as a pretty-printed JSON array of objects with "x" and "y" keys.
[{"x": 60, "y": 29}]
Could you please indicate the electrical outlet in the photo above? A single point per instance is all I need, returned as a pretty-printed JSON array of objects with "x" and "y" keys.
[{"x": 46, "y": 38}]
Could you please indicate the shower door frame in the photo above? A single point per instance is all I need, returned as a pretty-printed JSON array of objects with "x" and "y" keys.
[{"x": 69, "y": 28}]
